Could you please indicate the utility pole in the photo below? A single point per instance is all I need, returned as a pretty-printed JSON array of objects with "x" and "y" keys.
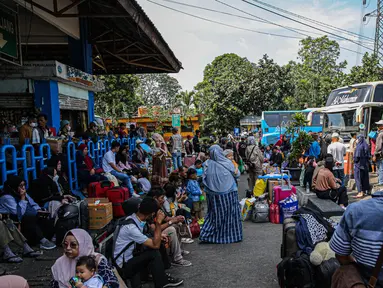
[{"x": 378, "y": 45}]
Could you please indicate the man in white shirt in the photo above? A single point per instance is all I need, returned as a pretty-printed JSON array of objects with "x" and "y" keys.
[
  {"x": 177, "y": 146},
  {"x": 109, "y": 166},
  {"x": 131, "y": 238},
  {"x": 338, "y": 151}
]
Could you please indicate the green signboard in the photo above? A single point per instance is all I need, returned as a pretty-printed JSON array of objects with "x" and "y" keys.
[
  {"x": 8, "y": 34},
  {"x": 176, "y": 120}
]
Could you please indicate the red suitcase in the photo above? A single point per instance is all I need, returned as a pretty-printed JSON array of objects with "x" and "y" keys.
[
  {"x": 117, "y": 196},
  {"x": 98, "y": 189},
  {"x": 281, "y": 192}
]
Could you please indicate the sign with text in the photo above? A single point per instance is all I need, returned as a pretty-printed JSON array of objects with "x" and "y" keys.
[
  {"x": 176, "y": 120},
  {"x": 236, "y": 131},
  {"x": 9, "y": 44}
]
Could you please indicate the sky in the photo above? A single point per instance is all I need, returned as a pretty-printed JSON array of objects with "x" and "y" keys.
[{"x": 196, "y": 42}]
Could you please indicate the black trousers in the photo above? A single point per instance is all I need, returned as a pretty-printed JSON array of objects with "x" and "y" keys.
[
  {"x": 339, "y": 194},
  {"x": 148, "y": 260},
  {"x": 35, "y": 229}
]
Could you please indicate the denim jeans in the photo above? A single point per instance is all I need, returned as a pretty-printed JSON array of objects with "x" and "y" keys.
[
  {"x": 177, "y": 160},
  {"x": 125, "y": 179},
  {"x": 379, "y": 165},
  {"x": 339, "y": 173}
]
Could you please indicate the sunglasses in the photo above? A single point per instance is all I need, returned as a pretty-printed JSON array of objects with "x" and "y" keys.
[{"x": 72, "y": 245}]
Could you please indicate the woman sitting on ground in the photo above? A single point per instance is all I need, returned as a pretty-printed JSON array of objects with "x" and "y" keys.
[
  {"x": 87, "y": 172},
  {"x": 329, "y": 187},
  {"x": 9, "y": 233},
  {"x": 77, "y": 243},
  {"x": 35, "y": 225},
  {"x": 60, "y": 165}
]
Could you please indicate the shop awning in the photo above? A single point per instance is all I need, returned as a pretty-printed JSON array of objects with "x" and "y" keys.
[{"x": 123, "y": 38}]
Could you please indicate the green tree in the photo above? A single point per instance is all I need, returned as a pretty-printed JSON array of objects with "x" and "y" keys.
[
  {"x": 159, "y": 114},
  {"x": 369, "y": 71},
  {"x": 186, "y": 102},
  {"x": 158, "y": 89},
  {"x": 226, "y": 92},
  {"x": 119, "y": 99},
  {"x": 316, "y": 74}
]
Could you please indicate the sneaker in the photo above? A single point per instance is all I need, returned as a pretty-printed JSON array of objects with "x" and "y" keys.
[
  {"x": 173, "y": 282},
  {"x": 47, "y": 245},
  {"x": 187, "y": 240},
  {"x": 135, "y": 195},
  {"x": 185, "y": 252},
  {"x": 182, "y": 263}
]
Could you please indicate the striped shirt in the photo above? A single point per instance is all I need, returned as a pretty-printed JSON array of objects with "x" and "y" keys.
[{"x": 360, "y": 233}]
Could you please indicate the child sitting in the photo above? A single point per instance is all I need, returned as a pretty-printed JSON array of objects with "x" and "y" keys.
[
  {"x": 86, "y": 273},
  {"x": 143, "y": 182},
  {"x": 198, "y": 167},
  {"x": 194, "y": 192}
]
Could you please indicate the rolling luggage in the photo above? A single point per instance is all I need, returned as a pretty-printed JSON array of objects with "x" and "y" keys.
[
  {"x": 289, "y": 241},
  {"x": 98, "y": 189},
  {"x": 117, "y": 196},
  {"x": 189, "y": 160},
  {"x": 282, "y": 191}
]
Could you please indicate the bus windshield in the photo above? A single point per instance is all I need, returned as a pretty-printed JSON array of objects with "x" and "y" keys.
[
  {"x": 350, "y": 95},
  {"x": 342, "y": 121}
]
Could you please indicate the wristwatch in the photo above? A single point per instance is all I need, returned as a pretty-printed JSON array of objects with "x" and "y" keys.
[{"x": 170, "y": 223}]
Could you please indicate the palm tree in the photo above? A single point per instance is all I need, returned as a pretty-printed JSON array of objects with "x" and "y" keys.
[{"x": 186, "y": 102}]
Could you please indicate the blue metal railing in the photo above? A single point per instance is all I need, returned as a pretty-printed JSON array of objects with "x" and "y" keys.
[{"x": 27, "y": 162}]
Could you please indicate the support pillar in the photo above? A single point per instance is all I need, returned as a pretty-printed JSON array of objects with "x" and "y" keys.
[
  {"x": 91, "y": 107},
  {"x": 47, "y": 98}
]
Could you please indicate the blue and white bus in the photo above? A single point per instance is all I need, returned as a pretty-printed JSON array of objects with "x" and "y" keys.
[{"x": 274, "y": 123}]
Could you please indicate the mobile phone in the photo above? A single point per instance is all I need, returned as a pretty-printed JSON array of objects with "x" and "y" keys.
[
  {"x": 73, "y": 281},
  {"x": 43, "y": 214}
]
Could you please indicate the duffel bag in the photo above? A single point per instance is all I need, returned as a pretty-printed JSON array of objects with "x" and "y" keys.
[{"x": 260, "y": 213}]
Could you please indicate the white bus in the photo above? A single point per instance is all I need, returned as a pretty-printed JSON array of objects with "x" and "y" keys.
[{"x": 353, "y": 108}]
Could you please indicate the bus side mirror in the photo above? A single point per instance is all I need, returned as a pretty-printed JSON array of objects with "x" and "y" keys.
[{"x": 359, "y": 115}]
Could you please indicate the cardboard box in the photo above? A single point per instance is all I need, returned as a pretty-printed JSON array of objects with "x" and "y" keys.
[
  {"x": 270, "y": 185},
  {"x": 100, "y": 212},
  {"x": 56, "y": 145}
]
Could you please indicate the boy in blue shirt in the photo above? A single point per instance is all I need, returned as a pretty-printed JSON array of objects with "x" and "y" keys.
[{"x": 194, "y": 192}]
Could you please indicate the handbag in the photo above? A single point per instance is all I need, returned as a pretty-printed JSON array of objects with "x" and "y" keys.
[
  {"x": 348, "y": 276},
  {"x": 194, "y": 228}
]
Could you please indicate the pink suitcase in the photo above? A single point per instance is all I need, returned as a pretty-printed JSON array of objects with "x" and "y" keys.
[
  {"x": 281, "y": 191},
  {"x": 189, "y": 160}
]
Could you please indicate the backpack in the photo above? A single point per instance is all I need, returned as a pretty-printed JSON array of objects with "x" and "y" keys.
[
  {"x": 296, "y": 271},
  {"x": 71, "y": 216},
  {"x": 260, "y": 213},
  {"x": 324, "y": 273}
]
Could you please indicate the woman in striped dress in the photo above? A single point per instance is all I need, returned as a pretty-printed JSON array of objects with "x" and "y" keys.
[{"x": 223, "y": 220}]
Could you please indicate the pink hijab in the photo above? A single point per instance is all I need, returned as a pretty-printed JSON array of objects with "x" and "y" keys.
[
  {"x": 64, "y": 267},
  {"x": 13, "y": 281}
]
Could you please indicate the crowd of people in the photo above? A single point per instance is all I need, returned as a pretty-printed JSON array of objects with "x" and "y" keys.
[{"x": 175, "y": 183}]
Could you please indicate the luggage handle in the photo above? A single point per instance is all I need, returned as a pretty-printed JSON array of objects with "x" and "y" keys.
[
  {"x": 288, "y": 178},
  {"x": 105, "y": 183}
]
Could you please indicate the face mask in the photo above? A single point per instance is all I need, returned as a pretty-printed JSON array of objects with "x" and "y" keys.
[
  {"x": 56, "y": 178},
  {"x": 33, "y": 124},
  {"x": 142, "y": 224},
  {"x": 69, "y": 128}
]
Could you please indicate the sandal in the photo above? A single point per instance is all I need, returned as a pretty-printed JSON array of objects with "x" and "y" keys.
[
  {"x": 33, "y": 254},
  {"x": 358, "y": 196},
  {"x": 13, "y": 259}
]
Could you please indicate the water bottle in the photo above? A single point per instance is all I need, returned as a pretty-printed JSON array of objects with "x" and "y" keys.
[{"x": 307, "y": 188}]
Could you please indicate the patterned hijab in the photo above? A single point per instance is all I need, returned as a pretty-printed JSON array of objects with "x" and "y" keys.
[
  {"x": 157, "y": 137},
  {"x": 218, "y": 172}
]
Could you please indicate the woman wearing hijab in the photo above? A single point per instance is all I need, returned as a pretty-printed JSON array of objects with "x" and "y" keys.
[
  {"x": 86, "y": 168},
  {"x": 160, "y": 171},
  {"x": 13, "y": 281},
  {"x": 361, "y": 170},
  {"x": 35, "y": 226},
  {"x": 223, "y": 220},
  {"x": 78, "y": 243}
]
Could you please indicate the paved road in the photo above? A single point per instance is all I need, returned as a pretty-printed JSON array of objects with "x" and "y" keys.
[{"x": 251, "y": 263}]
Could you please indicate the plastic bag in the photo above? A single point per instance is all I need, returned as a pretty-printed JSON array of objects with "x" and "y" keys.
[
  {"x": 241, "y": 166},
  {"x": 259, "y": 187},
  {"x": 373, "y": 134},
  {"x": 194, "y": 228},
  {"x": 247, "y": 208},
  {"x": 287, "y": 207}
]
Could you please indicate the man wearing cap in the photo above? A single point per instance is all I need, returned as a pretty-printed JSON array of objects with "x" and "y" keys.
[
  {"x": 139, "y": 155},
  {"x": 378, "y": 155},
  {"x": 92, "y": 132},
  {"x": 176, "y": 150},
  {"x": 338, "y": 151},
  {"x": 64, "y": 129}
]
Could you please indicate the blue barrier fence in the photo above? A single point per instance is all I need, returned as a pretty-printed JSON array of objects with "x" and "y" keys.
[{"x": 25, "y": 161}]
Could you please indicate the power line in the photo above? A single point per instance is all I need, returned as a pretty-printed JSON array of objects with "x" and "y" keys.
[
  {"x": 254, "y": 18},
  {"x": 311, "y": 20},
  {"x": 327, "y": 32},
  {"x": 236, "y": 27},
  {"x": 224, "y": 24}
]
